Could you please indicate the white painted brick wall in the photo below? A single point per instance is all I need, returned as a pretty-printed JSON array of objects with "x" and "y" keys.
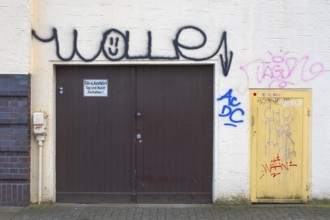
[
  {"x": 15, "y": 36},
  {"x": 254, "y": 29}
]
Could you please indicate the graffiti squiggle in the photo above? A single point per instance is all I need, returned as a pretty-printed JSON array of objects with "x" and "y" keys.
[
  {"x": 115, "y": 46},
  {"x": 278, "y": 71},
  {"x": 275, "y": 167}
]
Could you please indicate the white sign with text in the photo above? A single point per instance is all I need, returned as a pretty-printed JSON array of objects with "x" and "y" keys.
[{"x": 96, "y": 87}]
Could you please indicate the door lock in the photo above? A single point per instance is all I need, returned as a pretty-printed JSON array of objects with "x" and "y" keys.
[
  {"x": 139, "y": 138},
  {"x": 138, "y": 115}
]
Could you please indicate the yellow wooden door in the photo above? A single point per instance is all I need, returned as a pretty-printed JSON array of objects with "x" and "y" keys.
[{"x": 280, "y": 139}]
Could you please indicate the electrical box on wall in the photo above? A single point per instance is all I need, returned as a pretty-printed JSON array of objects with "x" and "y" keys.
[{"x": 39, "y": 123}]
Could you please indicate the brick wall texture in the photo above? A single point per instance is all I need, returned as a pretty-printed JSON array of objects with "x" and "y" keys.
[{"x": 14, "y": 139}]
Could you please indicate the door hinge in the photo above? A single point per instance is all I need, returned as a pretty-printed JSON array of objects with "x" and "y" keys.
[
  {"x": 308, "y": 112},
  {"x": 252, "y": 120},
  {"x": 307, "y": 187}
]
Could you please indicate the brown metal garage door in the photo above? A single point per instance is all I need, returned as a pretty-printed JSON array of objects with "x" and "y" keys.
[{"x": 144, "y": 135}]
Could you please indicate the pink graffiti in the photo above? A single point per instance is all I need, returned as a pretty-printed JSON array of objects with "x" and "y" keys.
[
  {"x": 275, "y": 167},
  {"x": 277, "y": 71}
]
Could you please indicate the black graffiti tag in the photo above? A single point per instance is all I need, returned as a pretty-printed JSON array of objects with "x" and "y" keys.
[{"x": 115, "y": 46}]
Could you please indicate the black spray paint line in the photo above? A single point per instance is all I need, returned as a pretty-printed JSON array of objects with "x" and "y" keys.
[{"x": 112, "y": 52}]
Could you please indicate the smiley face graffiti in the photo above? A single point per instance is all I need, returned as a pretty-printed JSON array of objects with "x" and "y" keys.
[{"x": 114, "y": 45}]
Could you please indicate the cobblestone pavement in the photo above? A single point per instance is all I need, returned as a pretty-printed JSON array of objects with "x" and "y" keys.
[{"x": 164, "y": 212}]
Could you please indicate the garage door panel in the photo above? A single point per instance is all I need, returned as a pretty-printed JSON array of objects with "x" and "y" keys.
[
  {"x": 91, "y": 131},
  {"x": 172, "y": 156},
  {"x": 98, "y": 155}
]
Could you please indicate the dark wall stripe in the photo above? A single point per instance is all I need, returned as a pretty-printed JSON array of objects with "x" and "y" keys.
[{"x": 14, "y": 139}]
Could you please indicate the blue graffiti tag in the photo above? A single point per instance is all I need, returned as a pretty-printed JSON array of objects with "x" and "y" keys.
[{"x": 231, "y": 108}]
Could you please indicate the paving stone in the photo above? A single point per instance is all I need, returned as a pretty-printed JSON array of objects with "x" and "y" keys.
[{"x": 161, "y": 212}]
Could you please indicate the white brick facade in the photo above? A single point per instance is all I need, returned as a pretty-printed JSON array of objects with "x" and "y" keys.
[
  {"x": 256, "y": 32},
  {"x": 15, "y": 38}
]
